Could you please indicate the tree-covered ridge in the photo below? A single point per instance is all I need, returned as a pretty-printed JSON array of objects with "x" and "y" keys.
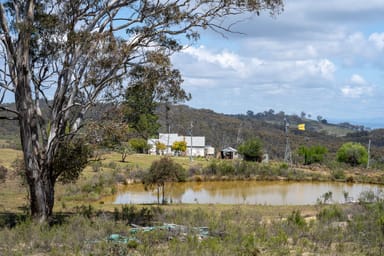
[{"x": 221, "y": 130}]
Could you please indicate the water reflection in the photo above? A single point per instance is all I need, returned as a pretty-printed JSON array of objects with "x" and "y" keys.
[{"x": 244, "y": 192}]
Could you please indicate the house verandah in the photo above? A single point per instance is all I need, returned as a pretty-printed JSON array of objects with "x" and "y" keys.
[{"x": 195, "y": 144}]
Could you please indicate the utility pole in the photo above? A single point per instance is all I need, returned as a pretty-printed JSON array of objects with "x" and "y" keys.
[
  {"x": 190, "y": 156},
  {"x": 238, "y": 139},
  {"x": 168, "y": 146},
  {"x": 288, "y": 153},
  {"x": 369, "y": 153}
]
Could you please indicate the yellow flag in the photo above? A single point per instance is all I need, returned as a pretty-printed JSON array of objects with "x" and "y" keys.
[{"x": 301, "y": 127}]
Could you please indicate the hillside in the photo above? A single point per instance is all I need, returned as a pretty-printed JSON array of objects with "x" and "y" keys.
[{"x": 223, "y": 130}]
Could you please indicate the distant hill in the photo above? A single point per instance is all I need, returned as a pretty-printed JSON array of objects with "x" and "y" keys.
[{"x": 223, "y": 130}]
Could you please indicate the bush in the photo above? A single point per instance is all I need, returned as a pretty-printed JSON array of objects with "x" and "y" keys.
[
  {"x": 211, "y": 169},
  {"x": 314, "y": 154},
  {"x": 251, "y": 150},
  {"x": 139, "y": 145},
  {"x": 226, "y": 168},
  {"x": 332, "y": 213},
  {"x": 96, "y": 166},
  {"x": 70, "y": 160},
  {"x": 352, "y": 153},
  {"x": 131, "y": 215},
  {"x": 338, "y": 174},
  {"x": 296, "y": 219}
]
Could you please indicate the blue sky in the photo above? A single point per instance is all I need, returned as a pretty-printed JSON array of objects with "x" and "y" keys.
[{"x": 321, "y": 57}]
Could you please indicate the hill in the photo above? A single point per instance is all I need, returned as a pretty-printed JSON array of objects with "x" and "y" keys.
[{"x": 222, "y": 130}]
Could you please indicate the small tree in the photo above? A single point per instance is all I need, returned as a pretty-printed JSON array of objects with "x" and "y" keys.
[
  {"x": 352, "y": 153},
  {"x": 314, "y": 154},
  {"x": 160, "y": 147},
  {"x": 124, "y": 149},
  {"x": 251, "y": 150},
  {"x": 162, "y": 171},
  {"x": 139, "y": 145},
  {"x": 179, "y": 147}
]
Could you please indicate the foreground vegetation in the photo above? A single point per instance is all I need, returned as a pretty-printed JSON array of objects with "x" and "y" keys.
[
  {"x": 242, "y": 230},
  {"x": 101, "y": 177},
  {"x": 84, "y": 220}
]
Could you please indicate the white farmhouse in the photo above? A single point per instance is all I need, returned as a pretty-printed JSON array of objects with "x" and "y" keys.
[{"x": 195, "y": 144}]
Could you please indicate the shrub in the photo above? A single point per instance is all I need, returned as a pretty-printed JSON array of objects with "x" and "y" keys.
[
  {"x": 139, "y": 145},
  {"x": 211, "y": 169},
  {"x": 338, "y": 174},
  {"x": 332, "y": 213},
  {"x": 70, "y": 160},
  {"x": 251, "y": 150},
  {"x": 226, "y": 168},
  {"x": 96, "y": 166},
  {"x": 314, "y": 154},
  {"x": 296, "y": 219},
  {"x": 131, "y": 215},
  {"x": 352, "y": 153}
]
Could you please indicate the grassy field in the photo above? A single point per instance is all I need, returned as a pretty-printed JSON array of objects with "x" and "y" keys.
[
  {"x": 100, "y": 178},
  {"x": 104, "y": 174},
  {"x": 232, "y": 230},
  {"x": 84, "y": 220}
]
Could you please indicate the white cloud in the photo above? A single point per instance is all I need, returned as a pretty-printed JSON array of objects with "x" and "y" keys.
[
  {"x": 357, "y": 79},
  {"x": 224, "y": 59},
  {"x": 358, "y": 87},
  {"x": 294, "y": 62},
  {"x": 377, "y": 39}
]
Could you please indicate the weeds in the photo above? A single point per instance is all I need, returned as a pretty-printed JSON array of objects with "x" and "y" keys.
[{"x": 233, "y": 231}]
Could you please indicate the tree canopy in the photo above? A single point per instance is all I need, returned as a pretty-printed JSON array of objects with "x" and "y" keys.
[
  {"x": 71, "y": 54},
  {"x": 179, "y": 146},
  {"x": 251, "y": 150},
  {"x": 314, "y": 154},
  {"x": 150, "y": 84},
  {"x": 162, "y": 171},
  {"x": 352, "y": 153}
]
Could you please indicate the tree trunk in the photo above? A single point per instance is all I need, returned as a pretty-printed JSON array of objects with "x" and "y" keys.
[
  {"x": 41, "y": 196},
  {"x": 36, "y": 163},
  {"x": 163, "y": 186},
  {"x": 37, "y": 170},
  {"x": 158, "y": 195}
]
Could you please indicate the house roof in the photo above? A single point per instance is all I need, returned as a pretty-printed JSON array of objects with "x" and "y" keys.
[
  {"x": 228, "y": 149},
  {"x": 169, "y": 138}
]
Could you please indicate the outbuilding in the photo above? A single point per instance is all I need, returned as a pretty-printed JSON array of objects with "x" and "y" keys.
[{"x": 229, "y": 153}]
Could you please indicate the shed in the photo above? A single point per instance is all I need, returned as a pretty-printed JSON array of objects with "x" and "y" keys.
[{"x": 229, "y": 153}]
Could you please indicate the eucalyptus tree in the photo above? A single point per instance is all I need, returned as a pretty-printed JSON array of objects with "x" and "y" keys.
[
  {"x": 72, "y": 53},
  {"x": 150, "y": 84}
]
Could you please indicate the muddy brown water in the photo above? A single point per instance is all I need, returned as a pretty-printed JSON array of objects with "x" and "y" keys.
[{"x": 245, "y": 192}]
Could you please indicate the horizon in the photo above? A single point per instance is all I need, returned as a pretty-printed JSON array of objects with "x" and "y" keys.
[{"x": 323, "y": 58}]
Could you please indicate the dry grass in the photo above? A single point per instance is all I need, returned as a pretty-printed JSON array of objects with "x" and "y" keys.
[
  {"x": 12, "y": 194},
  {"x": 8, "y": 156}
]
